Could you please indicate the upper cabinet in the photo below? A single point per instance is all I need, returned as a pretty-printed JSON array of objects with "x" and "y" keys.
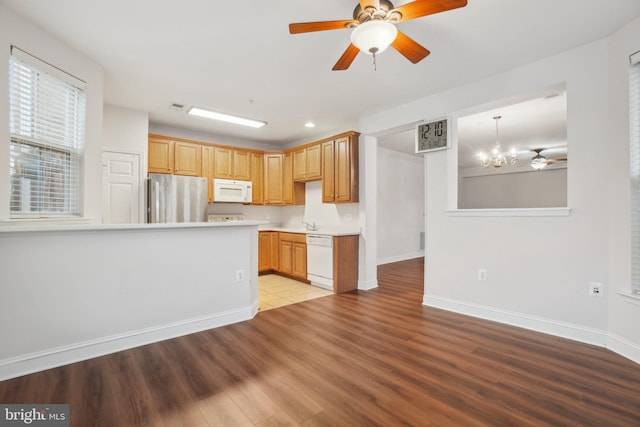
[
  {"x": 293, "y": 192},
  {"x": 160, "y": 155},
  {"x": 257, "y": 178},
  {"x": 232, "y": 164},
  {"x": 273, "y": 178},
  {"x": 340, "y": 169},
  {"x": 277, "y": 178},
  {"x": 307, "y": 163},
  {"x": 208, "y": 165},
  {"x": 241, "y": 165},
  {"x": 187, "y": 158}
]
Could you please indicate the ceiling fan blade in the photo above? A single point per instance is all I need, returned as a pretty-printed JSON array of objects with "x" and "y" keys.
[
  {"x": 372, "y": 3},
  {"x": 347, "y": 58},
  {"x": 556, "y": 160},
  {"x": 308, "y": 27},
  {"x": 419, "y": 8},
  {"x": 409, "y": 48}
]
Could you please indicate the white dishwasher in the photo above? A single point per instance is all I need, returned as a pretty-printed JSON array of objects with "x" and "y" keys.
[{"x": 320, "y": 260}]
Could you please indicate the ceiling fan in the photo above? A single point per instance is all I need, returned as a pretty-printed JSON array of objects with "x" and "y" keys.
[
  {"x": 374, "y": 28},
  {"x": 539, "y": 161}
]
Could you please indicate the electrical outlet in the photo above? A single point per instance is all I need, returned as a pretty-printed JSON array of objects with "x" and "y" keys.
[
  {"x": 596, "y": 289},
  {"x": 482, "y": 274},
  {"x": 239, "y": 275}
]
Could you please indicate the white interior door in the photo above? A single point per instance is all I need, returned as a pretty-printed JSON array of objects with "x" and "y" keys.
[{"x": 121, "y": 188}]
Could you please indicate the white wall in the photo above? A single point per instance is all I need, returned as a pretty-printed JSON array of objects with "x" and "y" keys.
[
  {"x": 538, "y": 268},
  {"x": 207, "y": 137},
  {"x": 327, "y": 215},
  {"x": 126, "y": 130},
  {"x": 623, "y": 312},
  {"x": 531, "y": 189},
  {"x": 400, "y": 206},
  {"x": 15, "y": 31},
  {"x": 101, "y": 289}
]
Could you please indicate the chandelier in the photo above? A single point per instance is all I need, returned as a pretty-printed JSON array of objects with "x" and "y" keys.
[{"x": 496, "y": 157}]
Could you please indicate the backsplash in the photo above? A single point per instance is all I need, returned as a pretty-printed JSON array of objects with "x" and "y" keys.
[{"x": 323, "y": 214}]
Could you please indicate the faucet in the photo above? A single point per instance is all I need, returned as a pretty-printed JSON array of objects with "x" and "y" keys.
[{"x": 311, "y": 227}]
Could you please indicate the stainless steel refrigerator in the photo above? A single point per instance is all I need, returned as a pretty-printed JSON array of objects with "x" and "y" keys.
[{"x": 175, "y": 198}]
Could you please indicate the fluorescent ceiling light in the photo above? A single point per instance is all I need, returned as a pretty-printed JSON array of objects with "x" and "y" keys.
[
  {"x": 309, "y": 125},
  {"x": 225, "y": 117}
]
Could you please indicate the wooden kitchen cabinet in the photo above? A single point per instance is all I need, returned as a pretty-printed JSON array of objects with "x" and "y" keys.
[
  {"x": 293, "y": 255},
  {"x": 274, "y": 250},
  {"x": 273, "y": 178},
  {"x": 241, "y": 165},
  {"x": 207, "y": 168},
  {"x": 187, "y": 159},
  {"x": 257, "y": 178},
  {"x": 345, "y": 263},
  {"x": 268, "y": 251},
  {"x": 223, "y": 166},
  {"x": 264, "y": 255},
  {"x": 160, "y": 155},
  {"x": 293, "y": 192},
  {"x": 340, "y": 170},
  {"x": 306, "y": 163},
  {"x": 299, "y": 256},
  {"x": 232, "y": 164}
]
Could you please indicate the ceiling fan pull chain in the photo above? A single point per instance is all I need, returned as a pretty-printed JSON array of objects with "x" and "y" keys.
[{"x": 374, "y": 62}]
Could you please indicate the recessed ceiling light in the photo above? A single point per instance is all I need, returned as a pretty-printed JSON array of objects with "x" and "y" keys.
[
  {"x": 309, "y": 125},
  {"x": 195, "y": 111}
]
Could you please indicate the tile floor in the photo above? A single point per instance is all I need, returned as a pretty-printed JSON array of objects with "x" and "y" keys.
[{"x": 277, "y": 291}]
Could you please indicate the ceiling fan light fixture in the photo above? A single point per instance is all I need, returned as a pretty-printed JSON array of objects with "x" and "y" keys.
[
  {"x": 200, "y": 112},
  {"x": 373, "y": 37},
  {"x": 539, "y": 161}
]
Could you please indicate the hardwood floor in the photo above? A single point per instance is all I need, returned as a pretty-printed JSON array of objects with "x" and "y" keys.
[{"x": 375, "y": 358}]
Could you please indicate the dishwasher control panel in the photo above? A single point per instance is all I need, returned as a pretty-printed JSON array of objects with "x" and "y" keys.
[{"x": 317, "y": 240}]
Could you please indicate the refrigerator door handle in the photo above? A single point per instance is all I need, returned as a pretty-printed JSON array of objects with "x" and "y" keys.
[{"x": 156, "y": 191}]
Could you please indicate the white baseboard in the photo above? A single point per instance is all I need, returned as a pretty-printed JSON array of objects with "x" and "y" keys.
[
  {"x": 52, "y": 358},
  {"x": 624, "y": 348},
  {"x": 539, "y": 324},
  {"x": 403, "y": 257},
  {"x": 367, "y": 285}
]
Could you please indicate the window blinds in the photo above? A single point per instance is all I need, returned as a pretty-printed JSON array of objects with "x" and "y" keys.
[
  {"x": 634, "y": 133},
  {"x": 46, "y": 121}
]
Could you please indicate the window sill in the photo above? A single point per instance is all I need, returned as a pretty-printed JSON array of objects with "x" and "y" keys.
[
  {"x": 630, "y": 298},
  {"x": 538, "y": 212},
  {"x": 26, "y": 222}
]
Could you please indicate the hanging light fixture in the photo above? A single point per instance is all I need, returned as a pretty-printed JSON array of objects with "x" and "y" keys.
[
  {"x": 373, "y": 37},
  {"x": 538, "y": 161},
  {"x": 496, "y": 157}
]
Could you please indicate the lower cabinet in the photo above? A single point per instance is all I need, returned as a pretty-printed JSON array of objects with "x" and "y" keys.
[
  {"x": 293, "y": 255},
  {"x": 268, "y": 251},
  {"x": 284, "y": 253}
]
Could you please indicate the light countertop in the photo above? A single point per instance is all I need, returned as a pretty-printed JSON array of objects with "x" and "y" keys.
[
  {"x": 322, "y": 231},
  {"x": 5, "y": 228}
]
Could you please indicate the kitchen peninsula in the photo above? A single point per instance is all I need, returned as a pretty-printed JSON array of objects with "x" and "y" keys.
[{"x": 75, "y": 292}]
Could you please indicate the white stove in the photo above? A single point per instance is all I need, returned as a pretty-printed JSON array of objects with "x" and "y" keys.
[{"x": 225, "y": 217}]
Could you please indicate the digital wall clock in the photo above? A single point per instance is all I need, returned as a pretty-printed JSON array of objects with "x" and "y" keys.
[{"x": 432, "y": 136}]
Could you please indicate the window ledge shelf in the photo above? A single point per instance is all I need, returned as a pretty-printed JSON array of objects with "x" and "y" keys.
[
  {"x": 46, "y": 221},
  {"x": 630, "y": 298},
  {"x": 510, "y": 212}
]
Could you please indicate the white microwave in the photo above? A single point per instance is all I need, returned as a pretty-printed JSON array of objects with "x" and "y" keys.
[{"x": 231, "y": 191}]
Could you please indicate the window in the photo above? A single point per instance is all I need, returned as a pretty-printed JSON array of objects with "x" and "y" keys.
[
  {"x": 634, "y": 133},
  {"x": 46, "y": 119},
  {"x": 530, "y": 133}
]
